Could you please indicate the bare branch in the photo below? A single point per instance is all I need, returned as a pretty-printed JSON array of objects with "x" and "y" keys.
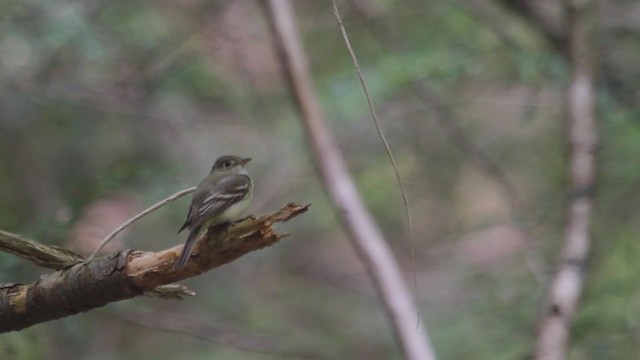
[
  {"x": 204, "y": 330},
  {"x": 126, "y": 224},
  {"x": 363, "y": 232},
  {"x": 51, "y": 257},
  {"x": 566, "y": 287},
  {"x": 56, "y": 258},
  {"x": 91, "y": 284},
  {"x": 170, "y": 292},
  {"x": 447, "y": 120},
  {"x": 548, "y": 19},
  {"x": 405, "y": 200}
]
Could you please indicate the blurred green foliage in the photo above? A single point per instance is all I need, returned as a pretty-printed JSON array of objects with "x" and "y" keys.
[{"x": 108, "y": 107}]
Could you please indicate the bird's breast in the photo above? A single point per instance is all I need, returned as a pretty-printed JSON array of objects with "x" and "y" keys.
[{"x": 236, "y": 210}]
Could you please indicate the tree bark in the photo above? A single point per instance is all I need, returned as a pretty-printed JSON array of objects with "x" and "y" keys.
[
  {"x": 365, "y": 236},
  {"x": 130, "y": 273},
  {"x": 566, "y": 287}
]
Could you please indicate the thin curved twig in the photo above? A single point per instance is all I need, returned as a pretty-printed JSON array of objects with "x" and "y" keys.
[
  {"x": 204, "y": 330},
  {"x": 363, "y": 232},
  {"x": 387, "y": 148},
  {"x": 126, "y": 224},
  {"x": 447, "y": 120}
]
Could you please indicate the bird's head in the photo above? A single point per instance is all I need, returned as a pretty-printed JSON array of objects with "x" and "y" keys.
[{"x": 230, "y": 164}]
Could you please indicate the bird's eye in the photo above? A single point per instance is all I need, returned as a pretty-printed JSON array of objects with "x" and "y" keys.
[{"x": 227, "y": 164}]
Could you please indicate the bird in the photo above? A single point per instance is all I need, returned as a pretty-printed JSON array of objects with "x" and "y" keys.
[{"x": 223, "y": 196}]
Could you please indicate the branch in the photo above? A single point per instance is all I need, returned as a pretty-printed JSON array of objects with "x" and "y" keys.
[
  {"x": 551, "y": 28},
  {"x": 444, "y": 116},
  {"x": 383, "y": 138},
  {"x": 566, "y": 287},
  {"x": 56, "y": 258},
  {"x": 126, "y": 224},
  {"x": 130, "y": 273},
  {"x": 203, "y": 329},
  {"x": 555, "y": 33},
  {"x": 51, "y": 257},
  {"x": 447, "y": 120},
  {"x": 363, "y": 232}
]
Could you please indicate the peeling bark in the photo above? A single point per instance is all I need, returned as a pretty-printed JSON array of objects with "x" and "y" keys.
[{"x": 130, "y": 273}]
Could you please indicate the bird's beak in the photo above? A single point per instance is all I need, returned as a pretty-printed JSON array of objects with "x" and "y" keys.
[{"x": 245, "y": 161}]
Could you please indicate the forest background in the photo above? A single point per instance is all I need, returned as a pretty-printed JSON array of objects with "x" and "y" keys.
[{"x": 108, "y": 107}]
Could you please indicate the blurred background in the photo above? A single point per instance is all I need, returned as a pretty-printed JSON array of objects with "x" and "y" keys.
[{"x": 107, "y": 107}]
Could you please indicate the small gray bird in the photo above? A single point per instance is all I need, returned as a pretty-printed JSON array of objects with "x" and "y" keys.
[{"x": 220, "y": 197}]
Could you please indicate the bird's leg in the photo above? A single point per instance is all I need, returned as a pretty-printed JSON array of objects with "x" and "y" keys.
[{"x": 221, "y": 227}]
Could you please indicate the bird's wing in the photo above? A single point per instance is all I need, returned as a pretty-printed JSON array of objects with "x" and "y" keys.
[
  {"x": 226, "y": 192},
  {"x": 187, "y": 222}
]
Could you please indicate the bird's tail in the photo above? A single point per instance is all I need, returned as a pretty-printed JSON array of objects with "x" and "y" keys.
[{"x": 188, "y": 247}]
